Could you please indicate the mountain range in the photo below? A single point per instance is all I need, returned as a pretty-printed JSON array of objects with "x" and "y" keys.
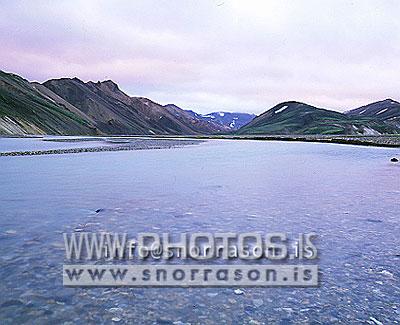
[
  {"x": 69, "y": 106},
  {"x": 292, "y": 117},
  {"x": 232, "y": 120}
]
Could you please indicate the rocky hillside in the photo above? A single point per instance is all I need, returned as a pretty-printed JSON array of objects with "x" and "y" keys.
[
  {"x": 26, "y": 109},
  {"x": 114, "y": 112},
  {"x": 387, "y": 110},
  {"x": 299, "y": 118},
  {"x": 71, "y": 106}
]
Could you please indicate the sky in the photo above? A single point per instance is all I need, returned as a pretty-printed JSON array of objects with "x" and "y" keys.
[{"x": 212, "y": 55}]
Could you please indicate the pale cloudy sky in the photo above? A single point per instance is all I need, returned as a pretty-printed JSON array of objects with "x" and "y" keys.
[{"x": 209, "y": 55}]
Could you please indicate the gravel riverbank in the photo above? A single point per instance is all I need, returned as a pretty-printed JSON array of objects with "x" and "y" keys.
[
  {"x": 134, "y": 144},
  {"x": 373, "y": 140}
]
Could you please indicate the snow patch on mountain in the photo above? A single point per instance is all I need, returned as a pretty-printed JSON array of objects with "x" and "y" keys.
[
  {"x": 281, "y": 109},
  {"x": 382, "y": 111}
]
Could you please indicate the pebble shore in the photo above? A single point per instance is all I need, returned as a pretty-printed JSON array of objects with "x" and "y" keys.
[{"x": 142, "y": 144}]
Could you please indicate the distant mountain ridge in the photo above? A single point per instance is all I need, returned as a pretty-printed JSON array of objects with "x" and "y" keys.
[
  {"x": 299, "y": 118},
  {"x": 190, "y": 117},
  {"x": 69, "y": 106},
  {"x": 234, "y": 121}
]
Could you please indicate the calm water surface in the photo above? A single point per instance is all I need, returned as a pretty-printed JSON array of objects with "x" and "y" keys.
[{"x": 348, "y": 195}]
